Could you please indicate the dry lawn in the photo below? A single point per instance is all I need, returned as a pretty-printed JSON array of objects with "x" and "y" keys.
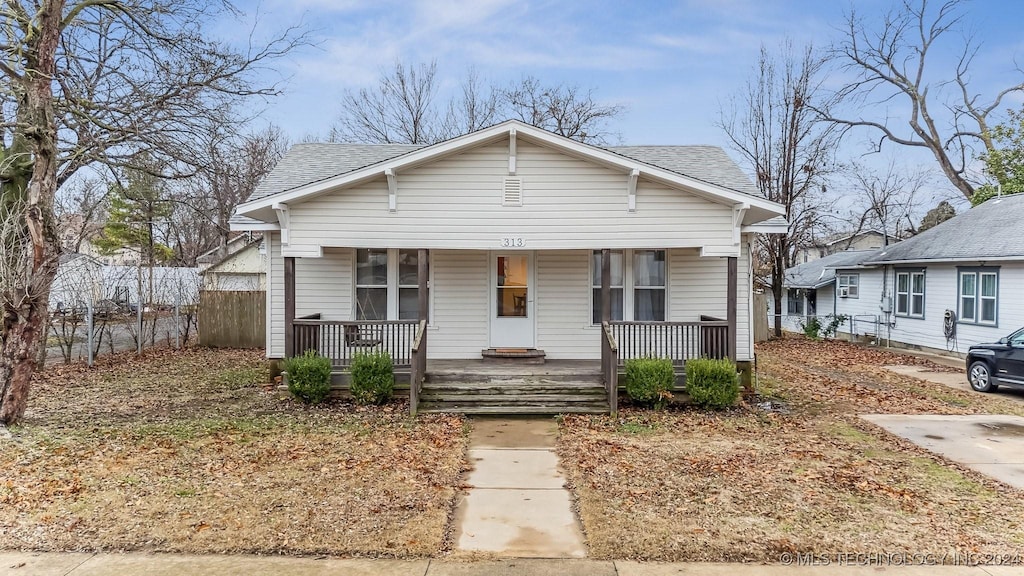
[
  {"x": 183, "y": 452},
  {"x": 751, "y": 484}
]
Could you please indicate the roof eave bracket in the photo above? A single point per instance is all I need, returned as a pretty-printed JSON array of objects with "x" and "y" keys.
[
  {"x": 392, "y": 189},
  {"x": 283, "y": 216},
  {"x": 634, "y": 175}
]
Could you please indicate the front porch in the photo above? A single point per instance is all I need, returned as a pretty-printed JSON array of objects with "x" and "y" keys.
[{"x": 485, "y": 386}]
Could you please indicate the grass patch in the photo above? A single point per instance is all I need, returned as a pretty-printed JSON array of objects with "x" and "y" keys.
[{"x": 183, "y": 452}]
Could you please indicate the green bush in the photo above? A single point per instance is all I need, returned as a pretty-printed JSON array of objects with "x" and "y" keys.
[
  {"x": 309, "y": 377},
  {"x": 712, "y": 384},
  {"x": 649, "y": 380},
  {"x": 811, "y": 328},
  {"x": 373, "y": 377}
]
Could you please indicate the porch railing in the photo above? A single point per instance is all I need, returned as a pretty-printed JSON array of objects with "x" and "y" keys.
[
  {"x": 679, "y": 341},
  {"x": 341, "y": 340},
  {"x": 419, "y": 366},
  {"x": 610, "y": 367}
]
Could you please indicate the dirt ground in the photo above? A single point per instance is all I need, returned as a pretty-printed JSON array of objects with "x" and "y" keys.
[
  {"x": 183, "y": 451},
  {"x": 792, "y": 470}
]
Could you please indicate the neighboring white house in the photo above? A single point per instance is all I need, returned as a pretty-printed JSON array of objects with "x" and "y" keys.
[
  {"x": 83, "y": 279},
  {"x": 810, "y": 289},
  {"x": 242, "y": 269},
  {"x": 512, "y": 221},
  {"x": 954, "y": 285},
  {"x": 844, "y": 242}
]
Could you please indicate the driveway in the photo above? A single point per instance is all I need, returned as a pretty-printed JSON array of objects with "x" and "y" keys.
[
  {"x": 992, "y": 444},
  {"x": 956, "y": 380}
]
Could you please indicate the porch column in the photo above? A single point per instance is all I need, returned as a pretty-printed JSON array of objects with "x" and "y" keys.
[
  {"x": 731, "y": 306},
  {"x": 423, "y": 277},
  {"x": 289, "y": 306},
  {"x": 606, "y": 282}
]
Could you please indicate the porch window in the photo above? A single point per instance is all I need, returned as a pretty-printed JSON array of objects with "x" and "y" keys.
[
  {"x": 979, "y": 295},
  {"x": 387, "y": 284},
  {"x": 649, "y": 285},
  {"x": 618, "y": 288},
  {"x": 371, "y": 284}
]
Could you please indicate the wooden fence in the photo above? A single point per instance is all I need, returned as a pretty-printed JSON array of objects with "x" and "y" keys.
[
  {"x": 760, "y": 319},
  {"x": 232, "y": 319}
]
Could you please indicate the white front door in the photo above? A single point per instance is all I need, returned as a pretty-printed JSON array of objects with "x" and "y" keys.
[{"x": 512, "y": 294}]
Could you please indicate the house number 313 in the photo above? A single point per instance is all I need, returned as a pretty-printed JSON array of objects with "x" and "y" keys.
[{"x": 512, "y": 242}]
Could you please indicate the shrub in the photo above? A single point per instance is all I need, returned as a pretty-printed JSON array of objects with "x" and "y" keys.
[
  {"x": 309, "y": 377},
  {"x": 649, "y": 380},
  {"x": 815, "y": 329},
  {"x": 373, "y": 377},
  {"x": 712, "y": 384}
]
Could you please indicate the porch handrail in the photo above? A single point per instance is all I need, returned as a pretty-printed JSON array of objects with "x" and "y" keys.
[
  {"x": 679, "y": 341},
  {"x": 610, "y": 367},
  {"x": 418, "y": 366},
  {"x": 339, "y": 340}
]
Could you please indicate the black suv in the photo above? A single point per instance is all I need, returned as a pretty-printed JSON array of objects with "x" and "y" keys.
[{"x": 990, "y": 366}]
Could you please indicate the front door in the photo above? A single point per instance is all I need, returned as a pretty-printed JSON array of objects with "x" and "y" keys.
[{"x": 512, "y": 295}]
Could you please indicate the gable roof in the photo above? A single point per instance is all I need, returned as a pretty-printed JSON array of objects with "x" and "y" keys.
[
  {"x": 822, "y": 272},
  {"x": 311, "y": 169},
  {"x": 990, "y": 231}
]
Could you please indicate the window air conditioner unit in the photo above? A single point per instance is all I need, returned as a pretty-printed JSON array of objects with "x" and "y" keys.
[{"x": 844, "y": 292}]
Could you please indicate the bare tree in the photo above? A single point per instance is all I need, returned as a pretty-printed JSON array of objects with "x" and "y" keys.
[
  {"x": 402, "y": 109},
  {"x": 477, "y": 106},
  {"x": 773, "y": 125},
  {"x": 892, "y": 65},
  {"x": 565, "y": 110},
  {"x": 887, "y": 202},
  {"x": 98, "y": 81},
  {"x": 235, "y": 164}
]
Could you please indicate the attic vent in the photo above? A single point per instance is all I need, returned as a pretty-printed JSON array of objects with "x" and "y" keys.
[{"x": 512, "y": 193}]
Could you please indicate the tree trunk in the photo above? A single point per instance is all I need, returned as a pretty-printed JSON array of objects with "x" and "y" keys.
[
  {"x": 777, "y": 295},
  {"x": 25, "y": 305}
]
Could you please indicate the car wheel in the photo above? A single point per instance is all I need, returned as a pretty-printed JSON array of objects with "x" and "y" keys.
[{"x": 980, "y": 377}]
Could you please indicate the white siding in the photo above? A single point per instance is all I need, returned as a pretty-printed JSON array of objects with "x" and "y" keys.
[
  {"x": 564, "y": 315},
  {"x": 940, "y": 295},
  {"x": 275, "y": 296},
  {"x": 324, "y": 285},
  {"x": 460, "y": 295},
  {"x": 456, "y": 202}
]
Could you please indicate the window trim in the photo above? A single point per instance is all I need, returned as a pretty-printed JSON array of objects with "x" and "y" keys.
[
  {"x": 800, "y": 299},
  {"x": 910, "y": 273},
  {"x": 629, "y": 284},
  {"x": 856, "y": 285},
  {"x": 393, "y": 286},
  {"x": 978, "y": 272}
]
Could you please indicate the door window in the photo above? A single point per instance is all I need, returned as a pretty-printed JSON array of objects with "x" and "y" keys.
[{"x": 512, "y": 290}]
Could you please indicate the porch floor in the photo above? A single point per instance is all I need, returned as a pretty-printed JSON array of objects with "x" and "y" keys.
[{"x": 552, "y": 368}]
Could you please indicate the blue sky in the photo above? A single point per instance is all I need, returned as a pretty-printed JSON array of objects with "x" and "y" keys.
[{"x": 671, "y": 63}]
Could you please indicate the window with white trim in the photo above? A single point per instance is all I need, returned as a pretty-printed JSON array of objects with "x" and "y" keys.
[
  {"x": 795, "y": 301},
  {"x": 850, "y": 285},
  {"x": 638, "y": 285},
  {"x": 978, "y": 295},
  {"x": 387, "y": 284},
  {"x": 910, "y": 286}
]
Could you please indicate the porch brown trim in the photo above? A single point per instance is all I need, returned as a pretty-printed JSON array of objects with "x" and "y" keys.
[
  {"x": 289, "y": 306},
  {"x": 731, "y": 303}
]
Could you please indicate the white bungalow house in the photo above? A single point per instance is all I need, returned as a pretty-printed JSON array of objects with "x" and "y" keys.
[
  {"x": 508, "y": 242},
  {"x": 952, "y": 286}
]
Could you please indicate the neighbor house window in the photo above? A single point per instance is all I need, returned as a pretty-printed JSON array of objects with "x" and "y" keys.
[
  {"x": 910, "y": 293},
  {"x": 638, "y": 285},
  {"x": 387, "y": 284},
  {"x": 850, "y": 285},
  {"x": 795, "y": 302},
  {"x": 978, "y": 295},
  {"x": 618, "y": 288}
]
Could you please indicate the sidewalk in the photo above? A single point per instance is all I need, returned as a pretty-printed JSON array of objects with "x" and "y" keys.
[{"x": 79, "y": 564}]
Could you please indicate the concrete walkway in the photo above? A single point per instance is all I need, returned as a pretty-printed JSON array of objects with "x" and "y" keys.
[
  {"x": 517, "y": 505},
  {"x": 54, "y": 564}
]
